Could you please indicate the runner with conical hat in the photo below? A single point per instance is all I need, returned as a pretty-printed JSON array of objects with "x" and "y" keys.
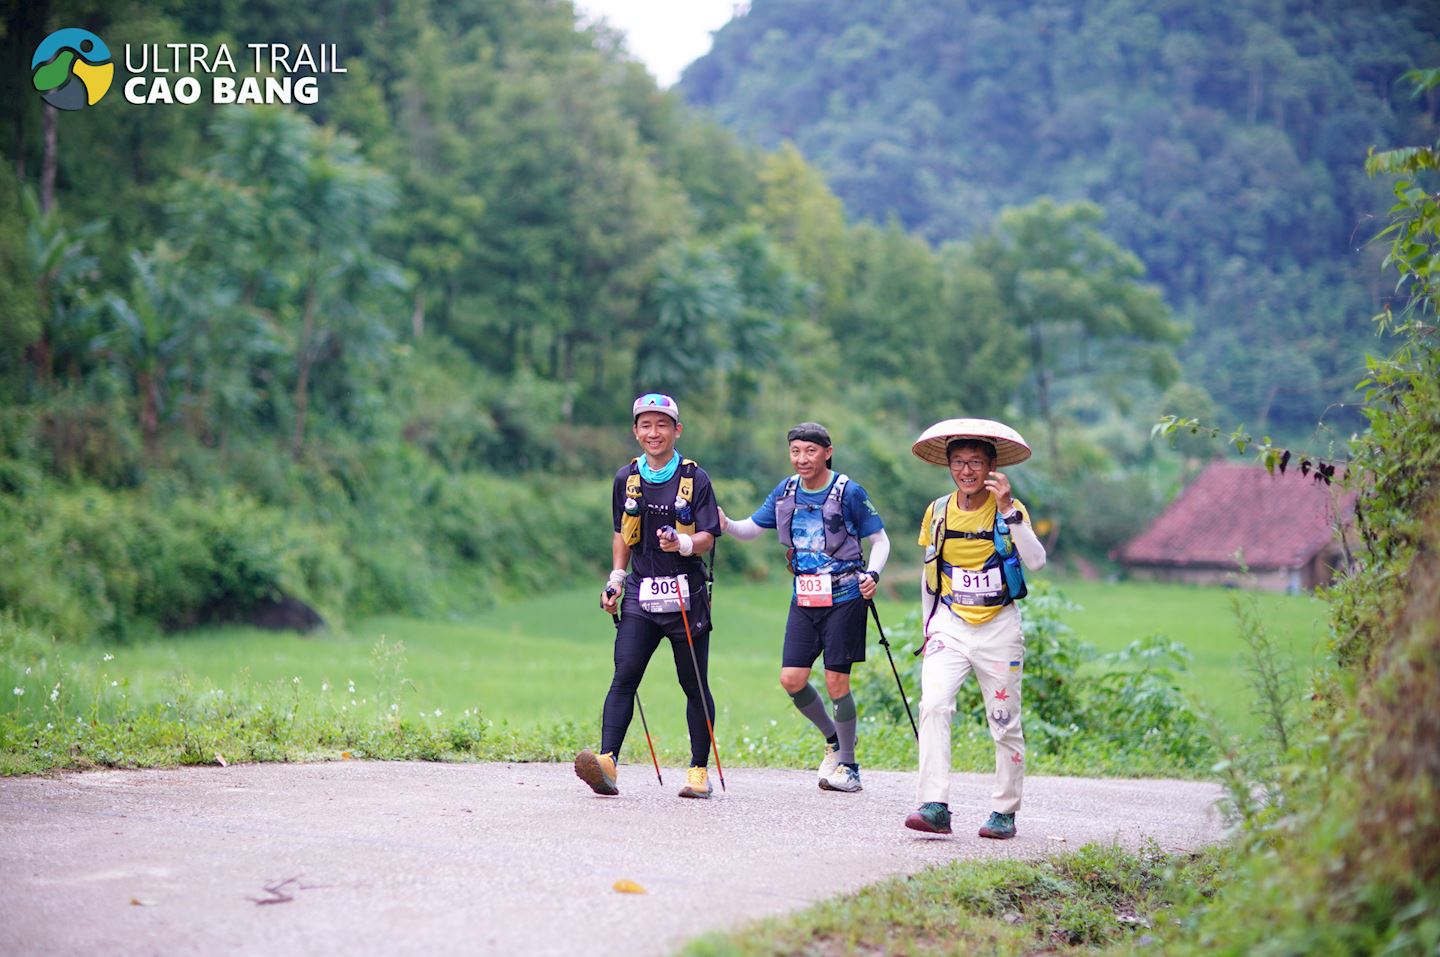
[{"x": 975, "y": 539}]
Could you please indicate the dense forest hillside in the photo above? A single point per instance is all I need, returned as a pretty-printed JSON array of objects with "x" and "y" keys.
[
  {"x": 377, "y": 350},
  {"x": 1224, "y": 143}
]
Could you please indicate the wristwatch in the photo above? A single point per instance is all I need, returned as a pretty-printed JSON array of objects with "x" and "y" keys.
[
  {"x": 1014, "y": 518},
  {"x": 874, "y": 575}
]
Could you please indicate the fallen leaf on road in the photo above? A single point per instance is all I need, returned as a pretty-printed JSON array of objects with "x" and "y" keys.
[
  {"x": 629, "y": 887},
  {"x": 345, "y": 756},
  {"x": 137, "y": 902},
  {"x": 220, "y": 760}
]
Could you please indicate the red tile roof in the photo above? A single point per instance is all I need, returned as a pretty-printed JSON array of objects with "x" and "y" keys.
[{"x": 1280, "y": 521}]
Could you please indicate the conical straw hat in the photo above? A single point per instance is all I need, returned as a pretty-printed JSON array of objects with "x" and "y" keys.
[{"x": 1010, "y": 447}]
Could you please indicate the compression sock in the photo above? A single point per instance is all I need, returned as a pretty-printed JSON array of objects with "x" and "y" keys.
[
  {"x": 807, "y": 702},
  {"x": 845, "y": 727}
]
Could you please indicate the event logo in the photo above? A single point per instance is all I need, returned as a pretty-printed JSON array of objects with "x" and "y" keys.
[{"x": 72, "y": 69}]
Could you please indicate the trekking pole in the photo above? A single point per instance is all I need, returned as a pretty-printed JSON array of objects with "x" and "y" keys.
[
  {"x": 646, "y": 725},
  {"x": 886, "y": 645},
  {"x": 710, "y": 582},
  {"x": 704, "y": 691},
  {"x": 610, "y": 592},
  {"x": 709, "y": 726}
]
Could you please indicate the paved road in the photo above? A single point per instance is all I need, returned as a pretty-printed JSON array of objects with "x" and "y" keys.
[{"x": 438, "y": 859}]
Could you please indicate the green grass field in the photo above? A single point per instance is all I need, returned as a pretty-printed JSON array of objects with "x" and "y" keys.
[
  {"x": 548, "y": 659},
  {"x": 1111, "y": 615}
]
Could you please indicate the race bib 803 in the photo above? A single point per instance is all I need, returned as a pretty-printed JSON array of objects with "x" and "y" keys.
[{"x": 813, "y": 591}]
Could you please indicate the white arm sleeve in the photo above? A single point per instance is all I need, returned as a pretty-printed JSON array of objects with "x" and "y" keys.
[
  {"x": 744, "y": 529},
  {"x": 879, "y": 551},
  {"x": 927, "y": 602},
  {"x": 1032, "y": 553}
]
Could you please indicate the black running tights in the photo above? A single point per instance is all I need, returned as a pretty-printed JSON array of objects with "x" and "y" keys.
[{"x": 635, "y": 641}]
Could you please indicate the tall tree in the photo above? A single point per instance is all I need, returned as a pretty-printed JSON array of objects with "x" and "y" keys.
[
  {"x": 286, "y": 212},
  {"x": 153, "y": 324},
  {"x": 62, "y": 271},
  {"x": 574, "y": 213},
  {"x": 798, "y": 209},
  {"x": 695, "y": 301},
  {"x": 18, "y": 295},
  {"x": 1078, "y": 304}
]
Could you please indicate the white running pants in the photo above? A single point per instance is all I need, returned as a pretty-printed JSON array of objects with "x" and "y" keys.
[{"x": 995, "y": 652}]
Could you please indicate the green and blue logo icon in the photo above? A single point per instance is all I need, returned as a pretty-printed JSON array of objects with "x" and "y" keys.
[{"x": 72, "y": 69}]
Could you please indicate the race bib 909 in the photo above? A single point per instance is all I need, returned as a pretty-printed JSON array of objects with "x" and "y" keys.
[{"x": 664, "y": 594}]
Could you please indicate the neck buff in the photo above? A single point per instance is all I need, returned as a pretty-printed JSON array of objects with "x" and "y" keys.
[{"x": 659, "y": 476}]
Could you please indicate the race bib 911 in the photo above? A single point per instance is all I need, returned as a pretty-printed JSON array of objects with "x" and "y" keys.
[
  {"x": 813, "y": 591},
  {"x": 970, "y": 587},
  {"x": 664, "y": 594}
]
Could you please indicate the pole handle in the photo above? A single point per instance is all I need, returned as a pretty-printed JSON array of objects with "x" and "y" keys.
[{"x": 610, "y": 593}]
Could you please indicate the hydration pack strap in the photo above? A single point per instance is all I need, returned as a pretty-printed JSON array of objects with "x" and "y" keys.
[
  {"x": 687, "y": 492},
  {"x": 938, "y": 508},
  {"x": 630, "y": 524}
]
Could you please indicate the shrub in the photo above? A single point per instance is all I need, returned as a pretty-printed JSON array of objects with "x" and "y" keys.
[
  {"x": 1134, "y": 704},
  {"x": 87, "y": 561}
]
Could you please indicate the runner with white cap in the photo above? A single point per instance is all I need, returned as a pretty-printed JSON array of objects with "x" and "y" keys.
[
  {"x": 967, "y": 602},
  {"x": 665, "y": 518}
]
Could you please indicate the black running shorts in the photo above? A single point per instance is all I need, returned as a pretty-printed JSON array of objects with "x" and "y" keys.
[{"x": 838, "y": 631}]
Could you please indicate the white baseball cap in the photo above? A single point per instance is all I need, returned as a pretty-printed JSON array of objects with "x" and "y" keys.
[{"x": 656, "y": 402}]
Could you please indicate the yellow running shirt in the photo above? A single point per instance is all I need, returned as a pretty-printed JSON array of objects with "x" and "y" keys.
[{"x": 971, "y": 553}]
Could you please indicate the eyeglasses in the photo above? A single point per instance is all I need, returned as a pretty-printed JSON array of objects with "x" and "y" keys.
[{"x": 969, "y": 465}]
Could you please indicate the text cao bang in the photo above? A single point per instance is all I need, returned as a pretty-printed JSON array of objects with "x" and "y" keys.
[{"x": 186, "y": 72}]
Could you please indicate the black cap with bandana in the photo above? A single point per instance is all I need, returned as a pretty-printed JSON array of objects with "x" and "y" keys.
[
  {"x": 809, "y": 432},
  {"x": 812, "y": 432}
]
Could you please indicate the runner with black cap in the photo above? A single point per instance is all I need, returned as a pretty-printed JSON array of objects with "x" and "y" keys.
[
  {"x": 665, "y": 519},
  {"x": 975, "y": 539},
  {"x": 821, "y": 517}
]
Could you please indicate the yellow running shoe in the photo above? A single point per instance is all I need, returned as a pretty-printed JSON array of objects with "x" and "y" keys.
[
  {"x": 697, "y": 784},
  {"x": 598, "y": 771}
]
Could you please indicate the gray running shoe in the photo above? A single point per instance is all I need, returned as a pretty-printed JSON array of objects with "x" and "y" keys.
[
  {"x": 845, "y": 777},
  {"x": 830, "y": 762}
]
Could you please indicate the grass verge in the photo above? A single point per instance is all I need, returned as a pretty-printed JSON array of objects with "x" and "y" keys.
[{"x": 1099, "y": 899}]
